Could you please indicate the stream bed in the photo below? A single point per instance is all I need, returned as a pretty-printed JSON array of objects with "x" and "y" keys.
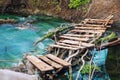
[{"x": 16, "y": 41}]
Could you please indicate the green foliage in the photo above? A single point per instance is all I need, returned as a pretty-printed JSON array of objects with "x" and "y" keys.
[
  {"x": 58, "y": 8},
  {"x": 106, "y": 38},
  {"x": 89, "y": 67},
  {"x": 77, "y": 3}
]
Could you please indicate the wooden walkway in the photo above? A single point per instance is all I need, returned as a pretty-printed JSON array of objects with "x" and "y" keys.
[
  {"x": 48, "y": 62},
  {"x": 82, "y": 36}
]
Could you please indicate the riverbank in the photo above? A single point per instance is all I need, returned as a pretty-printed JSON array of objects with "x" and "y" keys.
[{"x": 61, "y": 8}]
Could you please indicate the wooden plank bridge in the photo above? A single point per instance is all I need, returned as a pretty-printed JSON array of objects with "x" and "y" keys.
[
  {"x": 48, "y": 62},
  {"x": 81, "y": 37},
  {"x": 84, "y": 35}
]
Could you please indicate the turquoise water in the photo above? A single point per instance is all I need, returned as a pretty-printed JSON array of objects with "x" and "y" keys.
[
  {"x": 15, "y": 42},
  {"x": 99, "y": 59}
]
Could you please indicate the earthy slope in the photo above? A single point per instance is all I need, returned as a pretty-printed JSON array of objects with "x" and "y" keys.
[
  {"x": 95, "y": 9},
  {"x": 102, "y": 8}
]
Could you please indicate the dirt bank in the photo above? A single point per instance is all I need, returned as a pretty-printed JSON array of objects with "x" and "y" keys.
[
  {"x": 95, "y": 9},
  {"x": 102, "y": 8}
]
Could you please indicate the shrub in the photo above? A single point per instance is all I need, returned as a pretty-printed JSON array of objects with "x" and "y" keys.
[{"x": 77, "y": 3}]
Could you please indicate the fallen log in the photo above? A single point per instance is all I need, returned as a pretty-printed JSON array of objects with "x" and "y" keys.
[
  {"x": 109, "y": 44},
  {"x": 52, "y": 33},
  {"x": 12, "y": 21}
]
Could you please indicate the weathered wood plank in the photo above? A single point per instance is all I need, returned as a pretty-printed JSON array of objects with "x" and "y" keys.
[
  {"x": 70, "y": 42},
  {"x": 101, "y": 20},
  {"x": 108, "y": 20},
  {"x": 77, "y": 43},
  {"x": 97, "y": 21},
  {"x": 88, "y": 31},
  {"x": 75, "y": 38},
  {"x": 42, "y": 66},
  {"x": 95, "y": 25},
  {"x": 50, "y": 62},
  {"x": 58, "y": 60},
  {"x": 69, "y": 45},
  {"x": 79, "y": 35},
  {"x": 91, "y": 28},
  {"x": 64, "y": 47},
  {"x": 91, "y": 25}
]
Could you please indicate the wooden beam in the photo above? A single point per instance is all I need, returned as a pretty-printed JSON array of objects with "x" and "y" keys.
[
  {"x": 50, "y": 62},
  {"x": 108, "y": 20},
  {"x": 112, "y": 43},
  {"x": 97, "y": 21},
  {"x": 90, "y": 25},
  {"x": 101, "y": 20},
  {"x": 64, "y": 47},
  {"x": 91, "y": 28},
  {"x": 88, "y": 31},
  {"x": 77, "y": 43},
  {"x": 70, "y": 45},
  {"x": 95, "y": 25},
  {"x": 79, "y": 35},
  {"x": 42, "y": 66},
  {"x": 58, "y": 60},
  {"x": 75, "y": 38}
]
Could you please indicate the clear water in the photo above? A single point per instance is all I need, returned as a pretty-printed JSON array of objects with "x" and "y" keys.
[{"x": 15, "y": 42}]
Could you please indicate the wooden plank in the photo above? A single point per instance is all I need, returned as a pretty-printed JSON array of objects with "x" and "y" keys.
[
  {"x": 101, "y": 20},
  {"x": 75, "y": 38},
  {"x": 81, "y": 44},
  {"x": 90, "y": 25},
  {"x": 88, "y": 31},
  {"x": 91, "y": 28},
  {"x": 39, "y": 64},
  {"x": 64, "y": 47},
  {"x": 87, "y": 44},
  {"x": 79, "y": 35},
  {"x": 68, "y": 45},
  {"x": 70, "y": 42},
  {"x": 108, "y": 19},
  {"x": 97, "y": 21},
  {"x": 50, "y": 62},
  {"x": 95, "y": 25},
  {"x": 58, "y": 60}
]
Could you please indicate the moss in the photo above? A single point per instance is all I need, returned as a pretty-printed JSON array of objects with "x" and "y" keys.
[{"x": 106, "y": 38}]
